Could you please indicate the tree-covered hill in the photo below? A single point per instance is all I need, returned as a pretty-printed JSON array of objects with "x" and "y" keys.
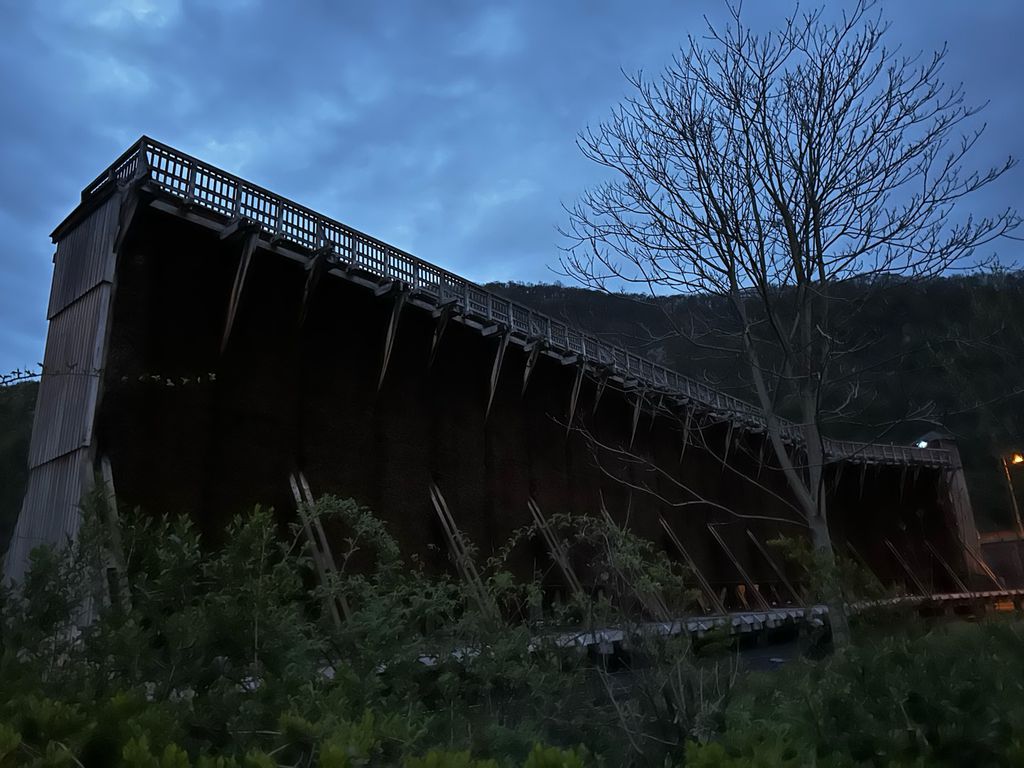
[{"x": 949, "y": 351}]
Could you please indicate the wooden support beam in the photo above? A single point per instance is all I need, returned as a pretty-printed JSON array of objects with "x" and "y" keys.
[
  {"x": 739, "y": 567},
  {"x": 531, "y": 362},
  {"x": 686, "y": 433},
  {"x": 239, "y": 225},
  {"x": 323, "y": 560},
  {"x": 761, "y": 455},
  {"x": 637, "y": 401},
  {"x": 907, "y": 570},
  {"x": 115, "y": 547},
  {"x": 863, "y": 562},
  {"x": 775, "y": 567},
  {"x": 602, "y": 382},
  {"x": 129, "y": 205},
  {"x": 982, "y": 564},
  {"x": 442, "y": 315},
  {"x": 556, "y": 548},
  {"x": 499, "y": 358},
  {"x": 705, "y": 585},
  {"x": 957, "y": 581},
  {"x": 461, "y": 555},
  {"x": 241, "y": 273},
  {"x": 389, "y": 339},
  {"x": 316, "y": 268},
  {"x": 574, "y": 396}
]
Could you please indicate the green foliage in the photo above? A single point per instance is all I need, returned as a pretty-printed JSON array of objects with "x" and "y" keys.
[
  {"x": 826, "y": 574},
  {"x": 949, "y": 697},
  {"x": 228, "y": 659}
]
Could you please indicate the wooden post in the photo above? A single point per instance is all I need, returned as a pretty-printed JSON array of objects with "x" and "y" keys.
[
  {"x": 705, "y": 585},
  {"x": 906, "y": 569},
  {"x": 739, "y": 567},
  {"x": 248, "y": 249},
  {"x": 389, "y": 338},
  {"x": 775, "y": 567},
  {"x": 115, "y": 546},
  {"x": 499, "y": 358},
  {"x": 323, "y": 560}
]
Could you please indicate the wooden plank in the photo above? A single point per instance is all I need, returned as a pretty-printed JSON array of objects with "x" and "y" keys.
[
  {"x": 739, "y": 567},
  {"x": 316, "y": 268},
  {"x": 906, "y": 569},
  {"x": 705, "y": 585},
  {"x": 531, "y": 362},
  {"x": 389, "y": 338},
  {"x": 636, "y": 417},
  {"x": 463, "y": 561},
  {"x": 499, "y": 358},
  {"x": 574, "y": 396},
  {"x": 115, "y": 546},
  {"x": 982, "y": 564},
  {"x": 556, "y": 548},
  {"x": 602, "y": 382},
  {"x": 775, "y": 567},
  {"x": 336, "y": 606},
  {"x": 443, "y": 315},
  {"x": 947, "y": 567},
  {"x": 242, "y": 271}
]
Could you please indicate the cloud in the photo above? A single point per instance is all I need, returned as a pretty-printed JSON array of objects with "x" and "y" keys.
[{"x": 446, "y": 127}]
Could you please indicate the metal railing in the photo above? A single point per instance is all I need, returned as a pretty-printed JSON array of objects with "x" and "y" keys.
[{"x": 202, "y": 185}]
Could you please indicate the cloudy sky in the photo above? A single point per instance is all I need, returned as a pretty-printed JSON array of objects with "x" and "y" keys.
[{"x": 444, "y": 127}]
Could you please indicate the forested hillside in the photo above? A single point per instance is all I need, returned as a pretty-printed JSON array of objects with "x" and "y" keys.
[
  {"x": 950, "y": 351},
  {"x": 957, "y": 343}
]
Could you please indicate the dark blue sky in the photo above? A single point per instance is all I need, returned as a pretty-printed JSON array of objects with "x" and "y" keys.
[{"x": 446, "y": 128}]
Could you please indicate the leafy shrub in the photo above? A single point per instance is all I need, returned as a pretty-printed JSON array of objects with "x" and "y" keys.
[{"x": 952, "y": 696}]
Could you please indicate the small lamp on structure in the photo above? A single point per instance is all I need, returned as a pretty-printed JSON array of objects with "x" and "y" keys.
[{"x": 1014, "y": 459}]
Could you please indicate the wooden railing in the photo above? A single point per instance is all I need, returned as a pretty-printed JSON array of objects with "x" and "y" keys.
[{"x": 204, "y": 186}]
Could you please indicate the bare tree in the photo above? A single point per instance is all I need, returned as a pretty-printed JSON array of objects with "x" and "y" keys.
[{"x": 769, "y": 169}]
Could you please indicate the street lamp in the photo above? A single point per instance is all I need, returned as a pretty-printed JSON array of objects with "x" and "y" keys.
[{"x": 1014, "y": 459}]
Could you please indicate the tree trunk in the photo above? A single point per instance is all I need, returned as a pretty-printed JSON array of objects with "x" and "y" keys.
[{"x": 832, "y": 592}]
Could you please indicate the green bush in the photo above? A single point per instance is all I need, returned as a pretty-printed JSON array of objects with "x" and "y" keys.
[
  {"x": 149, "y": 649},
  {"x": 952, "y": 696}
]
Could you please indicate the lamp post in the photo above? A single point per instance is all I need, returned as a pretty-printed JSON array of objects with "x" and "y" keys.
[{"x": 1014, "y": 459}]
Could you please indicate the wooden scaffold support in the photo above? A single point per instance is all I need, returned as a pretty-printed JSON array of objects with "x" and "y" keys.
[
  {"x": 922, "y": 590},
  {"x": 574, "y": 395},
  {"x": 775, "y": 567},
  {"x": 117, "y": 570},
  {"x": 532, "y": 354},
  {"x": 957, "y": 581},
  {"x": 319, "y": 548},
  {"x": 499, "y": 359},
  {"x": 709, "y": 593},
  {"x": 400, "y": 295},
  {"x": 250, "y": 232},
  {"x": 461, "y": 555},
  {"x": 556, "y": 548},
  {"x": 748, "y": 582},
  {"x": 442, "y": 315}
]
